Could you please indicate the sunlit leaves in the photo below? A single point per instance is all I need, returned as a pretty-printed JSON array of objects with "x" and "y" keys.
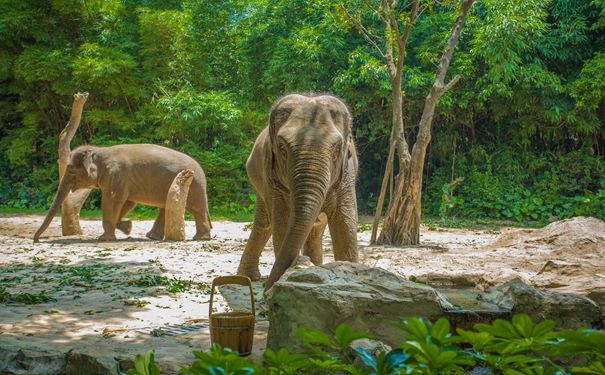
[
  {"x": 201, "y": 117},
  {"x": 510, "y": 30},
  {"x": 104, "y": 70}
]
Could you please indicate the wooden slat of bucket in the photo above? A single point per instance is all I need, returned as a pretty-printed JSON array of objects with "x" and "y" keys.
[{"x": 233, "y": 330}]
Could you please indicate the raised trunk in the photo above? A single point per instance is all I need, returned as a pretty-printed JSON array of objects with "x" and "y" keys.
[
  {"x": 310, "y": 185},
  {"x": 62, "y": 192}
]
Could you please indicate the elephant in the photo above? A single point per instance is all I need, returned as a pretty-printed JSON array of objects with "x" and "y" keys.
[
  {"x": 129, "y": 174},
  {"x": 303, "y": 166}
]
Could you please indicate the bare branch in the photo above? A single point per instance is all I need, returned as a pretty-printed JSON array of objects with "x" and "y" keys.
[
  {"x": 390, "y": 61},
  {"x": 452, "y": 83},
  {"x": 364, "y": 32},
  {"x": 448, "y": 52},
  {"x": 403, "y": 40}
]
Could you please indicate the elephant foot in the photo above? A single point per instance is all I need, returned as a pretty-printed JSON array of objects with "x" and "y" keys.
[
  {"x": 155, "y": 236},
  {"x": 252, "y": 272},
  {"x": 202, "y": 237},
  {"x": 125, "y": 226},
  {"x": 107, "y": 237}
]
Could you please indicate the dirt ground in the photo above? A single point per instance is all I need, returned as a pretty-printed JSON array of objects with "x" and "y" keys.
[{"x": 116, "y": 299}]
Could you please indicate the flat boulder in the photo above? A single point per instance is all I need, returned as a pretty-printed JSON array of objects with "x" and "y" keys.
[
  {"x": 367, "y": 299},
  {"x": 568, "y": 310}
]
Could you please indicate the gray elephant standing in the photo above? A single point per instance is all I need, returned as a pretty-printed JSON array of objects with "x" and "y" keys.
[
  {"x": 303, "y": 167},
  {"x": 127, "y": 175}
]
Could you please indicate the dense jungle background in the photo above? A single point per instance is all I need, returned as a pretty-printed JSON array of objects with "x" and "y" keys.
[{"x": 524, "y": 127}]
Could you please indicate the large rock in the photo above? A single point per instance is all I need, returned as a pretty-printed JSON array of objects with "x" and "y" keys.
[
  {"x": 25, "y": 361},
  {"x": 566, "y": 309},
  {"x": 367, "y": 299}
]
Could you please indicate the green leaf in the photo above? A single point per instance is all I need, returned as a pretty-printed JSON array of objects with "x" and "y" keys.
[
  {"x": 316, "y": 336},
  {"x": 441, "y": 330},
  {"x": 418, "y": 328},
  {"x": 344, "y": 335}
]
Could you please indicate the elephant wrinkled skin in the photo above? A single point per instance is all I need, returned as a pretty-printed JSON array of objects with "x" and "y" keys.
[
  {"x": 127, "y": 175},
  {"x": 303, "y": 167}
]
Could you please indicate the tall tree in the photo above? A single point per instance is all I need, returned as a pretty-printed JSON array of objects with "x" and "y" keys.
[
  {"x": 402, "y": 221},
  {"x": 390, "y": 45}
]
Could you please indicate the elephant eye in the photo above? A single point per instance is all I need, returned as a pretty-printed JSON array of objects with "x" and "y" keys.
[
  {"x": 335, "y": 115},
  {"x": 282, "y": 148}
]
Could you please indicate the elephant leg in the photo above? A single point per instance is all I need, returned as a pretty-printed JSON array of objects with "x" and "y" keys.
[
  {"x": 157, "y": 231},
  {"x": 261, "y": 231},
  {"x": 111, "y": 204},
  {"x": 343, "y": 228},
  {"x": 313, "y": 247},
  {"x": 125, "y": 225},
  {"x": 202, "y": 224}
]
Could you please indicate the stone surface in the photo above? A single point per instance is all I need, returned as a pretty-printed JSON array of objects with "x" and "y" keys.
[
  {"x": 25, "y": 361},
  {"x": 367, "y": 299},
  {"x": 375, "y": 347},
  {"x": 566, "y": 309}
]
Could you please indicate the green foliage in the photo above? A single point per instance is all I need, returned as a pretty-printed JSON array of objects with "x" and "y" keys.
[
  {"x": 145, "y": 365},
  {"x": 524, "y": 126},
  {"x": 219, "y": 361},
  {"x": 522, "y": 187},
  {"x": 503, "y": 347}
]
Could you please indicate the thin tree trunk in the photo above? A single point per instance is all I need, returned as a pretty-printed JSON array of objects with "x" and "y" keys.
[
  {"x": 395, "y": 68},
  {"x": 402, "y": 221},
  {"x": 380, "y": 203},
  {"x": 70, "y": 209}
]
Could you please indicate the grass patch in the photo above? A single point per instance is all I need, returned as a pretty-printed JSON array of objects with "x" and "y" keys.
[
  {"x": 140, "y": 213},
  {"x": 177, "y": 285},
  {"x": 25, "y": 298},
  {"x": 479, "y": 223},
  {"x": 221, "y": 213},
  {"x": 135, "y": 302},
  {"x": 151, "y": 280}
]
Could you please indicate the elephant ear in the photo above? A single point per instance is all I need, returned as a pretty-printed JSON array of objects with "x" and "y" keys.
[{"x": 89, "y": 165}]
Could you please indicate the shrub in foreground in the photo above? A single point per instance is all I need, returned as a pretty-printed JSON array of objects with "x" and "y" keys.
[{"x": 503, "y": 347}]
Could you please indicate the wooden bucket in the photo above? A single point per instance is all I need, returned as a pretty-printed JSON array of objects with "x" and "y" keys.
[{"x": 234, "y": 330}]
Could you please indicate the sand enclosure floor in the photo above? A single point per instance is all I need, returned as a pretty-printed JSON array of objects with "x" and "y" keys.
[{"x": 112, "y": 300}]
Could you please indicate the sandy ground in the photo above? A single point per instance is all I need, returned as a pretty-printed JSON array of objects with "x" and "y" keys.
[{"x": 103, "y": 299}]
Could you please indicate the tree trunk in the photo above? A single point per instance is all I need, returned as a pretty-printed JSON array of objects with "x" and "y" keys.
[
  {"x": 176, "y": 201},
  {"x": 398, "y": 143},
  {"x": 380, "y": 203},
  {"x": 402, "y": 221},
  {"x": 70, "y": 209}
]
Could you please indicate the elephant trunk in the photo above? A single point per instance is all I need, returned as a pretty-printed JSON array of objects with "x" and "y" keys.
[
  {"x": 62, "y": 192},
  {"x": 310, "y": 179}
]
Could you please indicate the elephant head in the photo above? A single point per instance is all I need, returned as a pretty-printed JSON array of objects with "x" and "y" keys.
[
  {"x": 80, "y": 173},
  {"x": 309, "y": 152}
]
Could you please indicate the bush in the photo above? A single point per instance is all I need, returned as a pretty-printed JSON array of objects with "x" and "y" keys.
[
  {"x": 525, "y": 187},
  {"x": 503, "y": 347}
]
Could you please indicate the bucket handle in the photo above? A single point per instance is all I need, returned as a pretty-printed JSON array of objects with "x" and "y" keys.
[{"x": 236, "y": 279}]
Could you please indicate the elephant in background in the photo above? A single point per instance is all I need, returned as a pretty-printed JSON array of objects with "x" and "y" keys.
[
  {"x": 127, "y": 175},
  {"x": 303, "y": 166}
]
